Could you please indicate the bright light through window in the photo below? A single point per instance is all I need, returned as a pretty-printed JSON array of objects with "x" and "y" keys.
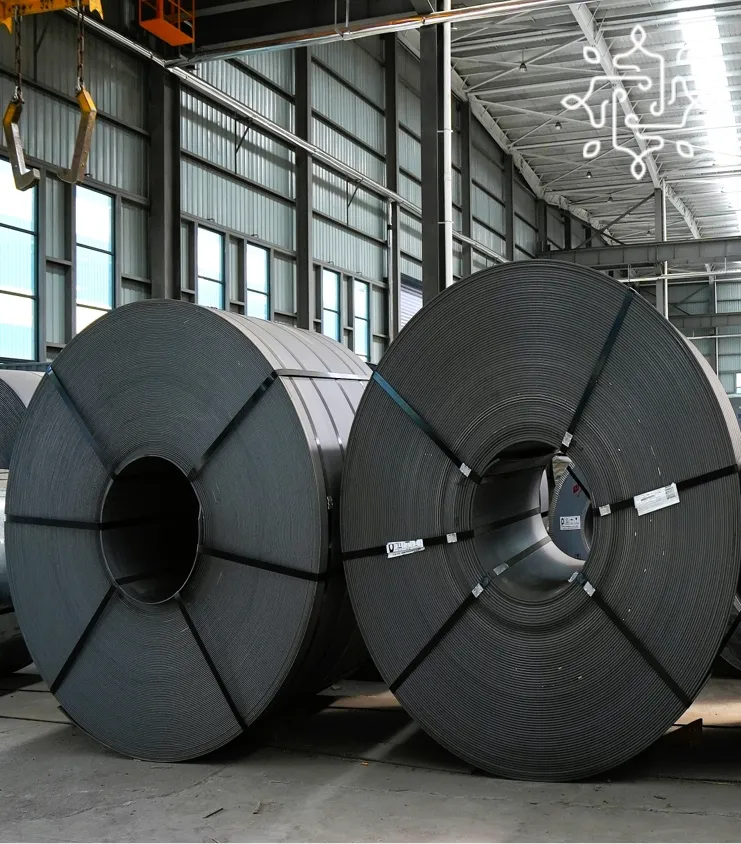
[{"x": 705, "y": 52}]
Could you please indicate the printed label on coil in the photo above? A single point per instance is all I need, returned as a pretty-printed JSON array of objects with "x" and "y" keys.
[
  {"x": 570, "y": 522},
  {"x": 452, "y": 537},
  {"x": 656, "y": 499},
  {"x": 409, "y": 546}
]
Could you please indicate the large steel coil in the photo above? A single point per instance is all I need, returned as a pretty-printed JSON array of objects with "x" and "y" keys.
[
  {"x": 518, "y": 658},
  {"x": 172, "y": 525},
  {"x": 16, "y": 389}
]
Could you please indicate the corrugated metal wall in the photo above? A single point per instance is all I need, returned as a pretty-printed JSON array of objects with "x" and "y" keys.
[{"x": 118, "y": 164}]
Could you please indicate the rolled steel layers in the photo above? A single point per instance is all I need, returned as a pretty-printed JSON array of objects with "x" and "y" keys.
[
  {"x": 518, "y": 658},
  {"x": 172, "y": 525},
  {"x": 16, "y": 389}
]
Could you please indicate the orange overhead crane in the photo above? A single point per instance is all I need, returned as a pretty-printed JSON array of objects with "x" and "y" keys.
[{"x": 11, "y": 15}]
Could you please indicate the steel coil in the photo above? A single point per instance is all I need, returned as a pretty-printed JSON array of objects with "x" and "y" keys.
[
  {"x": 520, "y": 659},
  {"x": 171, "y": 527},
  {"x": 16, "y": 389}
]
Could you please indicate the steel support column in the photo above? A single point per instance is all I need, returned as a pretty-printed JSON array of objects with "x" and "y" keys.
[
  {"x": 509, "y": 208},
  {"x": 542, "y": 220},
  {"x": 466, "y": 185},
  {"x": 305, "y": 282},
  {"x": 437, "y": 268},
  {"x": 391, "y": 58},
  {"x": 164, "y": 182},
  {"x": 662, "y": 285}
]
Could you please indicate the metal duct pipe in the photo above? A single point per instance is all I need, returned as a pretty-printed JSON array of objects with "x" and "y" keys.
[
  {"x": 376, "y": 26},
  {"x": 446, "y": 224},
  {"x": 16, "y": 389},
  {"x": 171, "y": 525},
  {"x": 489, "y": 635}
]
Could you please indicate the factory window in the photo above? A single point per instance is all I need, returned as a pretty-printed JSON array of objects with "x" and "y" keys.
[
  {"x": 257, "y": 282},
  {"x": 17, "y": 268},
  {"x": 331, "y": 304},
  {"x": 210, "y": 284},
  {"x": 361, "y": 319},
  {"x": 93, "y": 255}
]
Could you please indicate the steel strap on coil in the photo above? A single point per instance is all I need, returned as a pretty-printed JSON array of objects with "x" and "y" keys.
[
  {"x": 172, "y": 528},
  {"x": 520, "y": 659},
  {"x": 16, "y": 389}
]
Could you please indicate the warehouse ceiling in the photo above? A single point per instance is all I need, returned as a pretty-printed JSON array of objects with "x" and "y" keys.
[{"x": 522, "y": 67}]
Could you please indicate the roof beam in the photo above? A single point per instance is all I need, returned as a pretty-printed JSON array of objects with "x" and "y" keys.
[
  {"x": 676, "y": 252},
  {"x": 585, "y": 19}
]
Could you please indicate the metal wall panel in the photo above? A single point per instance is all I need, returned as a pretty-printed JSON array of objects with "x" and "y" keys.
[
  {"x": 486, "y": 209},
  {"x": 689, "y": 299},
  {"x": 525, "y": 204},
  {"x": 410, "y": 235},
  {"x": 275, "y": 65},
  {"x": 479, "y": 261},
  {"x": 233, "y": 78},
  {"x": 134, "y": 291},
  {"x": 284, "y": 284},
  {"x": 526, "y": 238},
  {"x": 54, "y": 306},
  {"x": 410, "y": 110},
  {"x": 354, "y": 63},
  {"x": 409, "y": 70},
  {"x": 410, "y": 301},
  {"x": 215, "y": 136},
  {"x": 347, "y": 251},
  {"x": 344, "y": 108},
  {"x": 729, "y": 296},
  {"x": 117, "y": 80},
  {"x": 117, "y": 157},
  {"x": 333, "y": 196},
  {"x": 410, "y": 189},
  {"x": 56, "y": 226},
  {"x": 556, "y": 228},
  {"x": 133, "y": 249},
  {"x": 487, "y": 237},
  {"x": 330, "y": 140},
  {"x": 212, "y": 196}
]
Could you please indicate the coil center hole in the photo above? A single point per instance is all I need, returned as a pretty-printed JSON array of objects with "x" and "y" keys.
[
  {"x": 512, "y": 517},
  {"x": 150, "y": 542}
]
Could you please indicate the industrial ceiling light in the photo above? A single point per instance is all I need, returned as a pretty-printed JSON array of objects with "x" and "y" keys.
[
  {"x": 523, "y": 66},
  {"x": 589, "y": 174},
  {"x": 558, "y": 126},
  {"x": 609, "y": 198}
]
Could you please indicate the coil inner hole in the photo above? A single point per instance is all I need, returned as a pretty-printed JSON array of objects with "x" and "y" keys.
[
  {"x": 511, "y": 488},
  {"x": 150, "y": 544}
]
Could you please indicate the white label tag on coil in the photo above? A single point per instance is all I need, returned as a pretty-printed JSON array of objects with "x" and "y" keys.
[
  {"x": 605, "y": 510},
  {"x": 409, "y": 546},
  {"x": 452, "y": 537},
  {"x": 466, "y": 470},
  {"x": 567, "y": 438},
  {"x": 570, "y": 522},
  {"x": 656, "y": 499},
  {"x": 477, "y": 590},
  {"x": 589, "y": 589}
]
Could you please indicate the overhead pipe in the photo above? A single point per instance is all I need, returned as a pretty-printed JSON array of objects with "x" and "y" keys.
[
  {"x": 373, "y": 26},
  {"x": 446, "y": 224}
]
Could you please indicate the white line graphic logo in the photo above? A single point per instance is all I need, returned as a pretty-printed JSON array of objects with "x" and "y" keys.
[{"x": 629, "y": 73}]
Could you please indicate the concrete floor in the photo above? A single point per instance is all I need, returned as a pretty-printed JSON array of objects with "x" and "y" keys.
[{"x": 360, "y": 770}]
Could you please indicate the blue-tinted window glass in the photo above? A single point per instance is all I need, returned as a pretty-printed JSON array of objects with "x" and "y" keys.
[
  {"x": 210, "y": 293},
  {"x": 331, "y": 324},
  {"x": 256, "y": 268},
  {"x": 94, "y": 219},
  {"x": 362, "y": 338},
  {"x": 17, "y": 208},
  {"x": 360, "y": 302},
  {"x": 94, "y": 278},
  {"x": 17, "y": 327},
  {"x": 210, "y": 255},
  {"x": 86, "y": 316},
  {"x": 257, "y": 304},
  {"x": 330, "y": 290},
  {"x": 17, "y": 261}
]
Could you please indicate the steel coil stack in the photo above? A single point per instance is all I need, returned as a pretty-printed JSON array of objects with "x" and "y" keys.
[
  {"x": 172, "y": 528},
  {"x": 16, "y": 389},
  {"x": 523, "y": 660}
]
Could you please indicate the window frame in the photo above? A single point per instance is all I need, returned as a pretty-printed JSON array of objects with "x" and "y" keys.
[
  {"x": 199, "y": 276},
  {"x": 77, "y": 246},
  {"x": 34, "y": 296}
]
